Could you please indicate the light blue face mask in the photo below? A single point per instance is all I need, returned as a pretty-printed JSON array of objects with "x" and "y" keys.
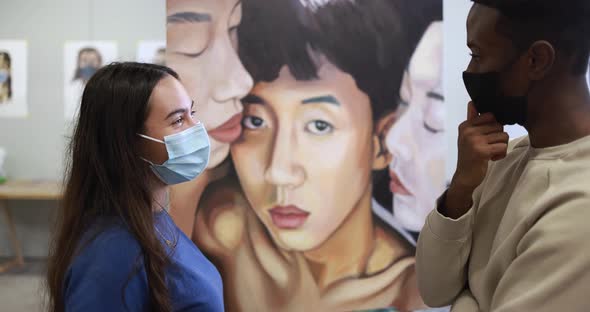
[
  {"x": 3, "y": 76},
  {"x": 87, "y": 71},
  {"x": 188, "y": 155}
]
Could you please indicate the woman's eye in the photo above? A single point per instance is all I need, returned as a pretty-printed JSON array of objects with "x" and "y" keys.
[
  {"x": 193, "y": 114},
  {"x": 253, "y": 122},
  {"x": 178, "y": 121},
  {"x": 319, "y": 127}
]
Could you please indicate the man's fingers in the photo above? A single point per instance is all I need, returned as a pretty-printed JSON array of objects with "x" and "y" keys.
[
  {"x": 483, "y": 119},
  {"x": 485, "y": 129},
  {"x": 471, "y": 111},
  {"x": 497, "y": 137},
  {"x": 498, "y": 150}
]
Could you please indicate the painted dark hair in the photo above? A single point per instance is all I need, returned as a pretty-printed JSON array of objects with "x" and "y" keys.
[
  {"x": 106, "y": 178},
  {"x": 372, "y": 40},
  {"x": 77, "y": 73},
  {"x": 564, "y": 25},
  {"x": 6, "y": 57}
]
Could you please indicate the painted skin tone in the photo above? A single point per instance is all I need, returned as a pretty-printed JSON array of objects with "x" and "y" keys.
[
  {"x": 201, "y": 48},
  {"x": 296, "y": 225},
  {"x": 417, "y": 141}
]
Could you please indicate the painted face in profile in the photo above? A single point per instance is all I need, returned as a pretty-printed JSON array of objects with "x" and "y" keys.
[
  {"x": 417, "y": 141},
  {"x": 201, "y": 47},
  {"x": 305, "y": 157}
]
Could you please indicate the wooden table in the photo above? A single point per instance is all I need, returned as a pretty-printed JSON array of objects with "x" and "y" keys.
[{"x": 23, "y": 190}]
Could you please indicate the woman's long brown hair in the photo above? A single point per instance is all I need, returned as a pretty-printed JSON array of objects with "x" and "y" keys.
[{"x": 105, "y": 176}]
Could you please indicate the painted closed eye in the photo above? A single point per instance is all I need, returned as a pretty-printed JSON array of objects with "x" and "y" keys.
[
  {"x": 319, "y": 127},
  {"x": 253, "y": 122},
  {"x": 431, "y": 129},
  {"x": 434, "y": 113},
  {"x": 191, "y": 55}
]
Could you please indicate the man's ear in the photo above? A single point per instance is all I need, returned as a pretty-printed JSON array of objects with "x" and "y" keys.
[
  {"x": 541, "y": 59},
  {"x": 382, "y": 156}
]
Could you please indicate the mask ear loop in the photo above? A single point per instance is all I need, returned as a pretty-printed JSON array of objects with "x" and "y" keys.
[{"x": 150, "y": 138}]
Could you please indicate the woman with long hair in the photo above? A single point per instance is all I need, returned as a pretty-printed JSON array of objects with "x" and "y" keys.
[{"x": 116, "y": 248}]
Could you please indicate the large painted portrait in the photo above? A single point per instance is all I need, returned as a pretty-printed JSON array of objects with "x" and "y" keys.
[{"x": 327, "y": 126}]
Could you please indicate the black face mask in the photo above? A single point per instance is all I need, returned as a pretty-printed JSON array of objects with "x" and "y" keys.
[{"x": 485, "y": 91}]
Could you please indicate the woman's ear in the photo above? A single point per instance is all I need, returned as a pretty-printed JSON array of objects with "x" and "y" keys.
[{"x": 382, "y": 156}]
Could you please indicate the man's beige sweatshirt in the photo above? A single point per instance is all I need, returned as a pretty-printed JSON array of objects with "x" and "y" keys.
[{"x": 525, "y": 243}]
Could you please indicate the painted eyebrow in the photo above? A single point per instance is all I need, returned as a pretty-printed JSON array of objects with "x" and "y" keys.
[
  {"x": 188, "y": 17},
  {"x": 322, "y": 99},
  {"x": 435, "y": 95},
  {"x": 253, "y": 99},
  {"x": 179, "y": 111}
]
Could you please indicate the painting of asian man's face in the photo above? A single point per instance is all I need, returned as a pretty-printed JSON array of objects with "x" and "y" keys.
[{"x": 300, "y": 99}]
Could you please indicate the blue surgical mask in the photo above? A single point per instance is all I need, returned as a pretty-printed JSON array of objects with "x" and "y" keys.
[
  {"x": 3, "y": 76},
  {"x": 188, "y": 155},
  {"x": 87, "y": 71}
]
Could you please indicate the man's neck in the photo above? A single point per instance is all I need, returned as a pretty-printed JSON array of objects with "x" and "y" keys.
[{"x": 560, "y": 116}]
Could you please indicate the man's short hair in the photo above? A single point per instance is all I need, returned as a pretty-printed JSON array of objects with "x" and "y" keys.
[{"x": 565, "y": 25}]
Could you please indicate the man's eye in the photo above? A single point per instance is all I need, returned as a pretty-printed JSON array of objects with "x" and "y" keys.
[{"x": 319, "y": 127}]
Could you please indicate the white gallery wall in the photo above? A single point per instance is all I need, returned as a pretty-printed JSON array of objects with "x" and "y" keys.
[{"x": 36, "y": 143}]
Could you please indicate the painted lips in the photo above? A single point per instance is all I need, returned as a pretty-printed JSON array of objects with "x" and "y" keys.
[
  {"x": 229, "y": 131},
  {"x": 288, "y": 217},
  {"x": 396, "y": 186}
]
